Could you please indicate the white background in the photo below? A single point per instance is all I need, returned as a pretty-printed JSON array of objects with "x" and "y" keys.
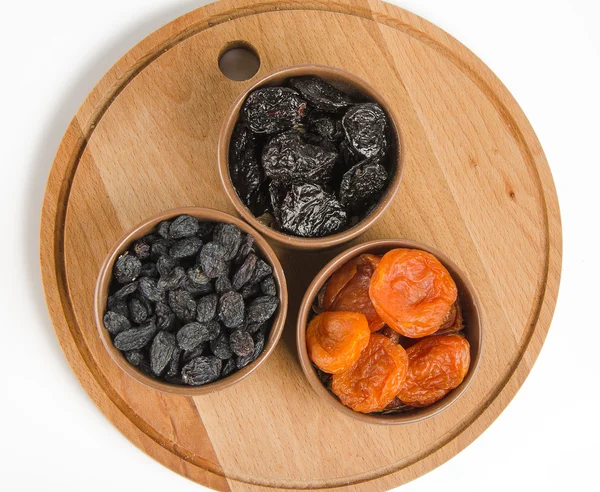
[{"x": 547, "y": 52}]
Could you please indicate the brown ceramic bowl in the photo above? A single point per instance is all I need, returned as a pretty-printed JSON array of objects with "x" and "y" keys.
[
  {"x": 344, "y": 81},
  {"x": 473, "y": 331},
  {"x": 204, "y": 214}
]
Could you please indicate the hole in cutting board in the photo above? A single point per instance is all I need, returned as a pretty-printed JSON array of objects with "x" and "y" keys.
[{"x": 239, "y": 61}]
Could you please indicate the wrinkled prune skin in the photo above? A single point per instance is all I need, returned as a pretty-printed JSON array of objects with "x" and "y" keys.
[
  {"x": 326, "y": 127},
  {"x": 277, "y": 192},
  {"x": 309, "y": 211},
  {"x": 245, "y": 169},
  {"x": 362, "y": 183},
  {"x": 270, "y": 110},
  {"x": 321, "y": 94},
  {"x": 288, "y": 158},
  {"x": 201, "y": 370},
  {"x": 366, "y": 129}
]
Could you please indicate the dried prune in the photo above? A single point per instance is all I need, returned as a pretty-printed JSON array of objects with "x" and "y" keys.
[
  {"x": 201, "y": 370},
  {"x": 135, "y": 338},
  {"x": 362, "y": 183},
  {"x": 127, "y": 268},
  {"x": 141, "y": 249},
  {"x": 171, "y": 280},
  {"x": 186, "y": 247},
  {"x": 326, "y": 127},
  {"x": 288, "y": 158},
  {"x": 412, "y": 292},
  {"x": 348, "y": 289},
  {"x": 193, "y": 334},
  {"x": 220, "y": 346},
  {"x": 213, "y": 260},
  {"x": 277, "y": 193},
  {"x": 228, "y": 368},
  {"x": 118, "y": 306},
  {"x": 273, "y": 109},
  {"x": 245, "y": 169},
  {"x": 262, "y": 309},
  {"x": 241, "y": 343},
  {"x": 336, "y": 339},
  {"x": 161, "y": 351},
  {"x": 222, "y": 285},
  {"x": 309, "y": 211},
  {"x": 268, "y": 286},
  {"x": 366, "y": 129},
  {"x": 259, "y": 346},
  {"x": 436, "y": 365},
  {"x": 182, "y": 304},
  {"x": 126, "y": 290},
  {"x": 116, "y": 323},
  {"x": 374, "y": 381},
  {"x": 149, "y": 289},
  {"x": 231, "y": 309},
  {"x": 321, "y": 94},
  {"x": 230, "y": 237},
  {"x": 137, "y": 311},
  {"x": 207, "y": 308},
  {"x": 244, "y": 272},
  {"x": 165, "y": 265},
  {"x": 184, "y": 226}
]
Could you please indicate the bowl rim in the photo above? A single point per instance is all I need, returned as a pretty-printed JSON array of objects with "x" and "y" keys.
[
  {"x": 296, "y": 242},
  {"x": 306, "y": 306},
  {"x": 145, "y": 227}
]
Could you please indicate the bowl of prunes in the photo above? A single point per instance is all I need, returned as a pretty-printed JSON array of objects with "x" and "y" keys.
[
  {"x": 190, "y": 301},
  {"x": 310, "y": 156}
]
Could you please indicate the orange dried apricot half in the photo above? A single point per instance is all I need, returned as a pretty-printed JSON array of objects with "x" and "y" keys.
[
  {"x": 336, "y": 339},
  {"x": 348, "y": 289},
  {"x": 412, "y": 292},
  {"x": 374, "y": 381},
  {"x": 436, "y": 366}
]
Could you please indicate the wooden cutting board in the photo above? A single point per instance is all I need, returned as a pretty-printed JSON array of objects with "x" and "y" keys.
[{"x": 476, "y": 186}]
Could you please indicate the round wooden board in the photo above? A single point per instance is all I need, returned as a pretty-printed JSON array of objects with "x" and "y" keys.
[{"x": 476, "y": 186}]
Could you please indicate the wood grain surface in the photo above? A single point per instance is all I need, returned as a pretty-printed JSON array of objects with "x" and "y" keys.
[{"x": 476, "y": 186}]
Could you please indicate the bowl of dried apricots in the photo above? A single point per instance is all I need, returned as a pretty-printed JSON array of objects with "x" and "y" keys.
[{"x": 389, "y": 332}]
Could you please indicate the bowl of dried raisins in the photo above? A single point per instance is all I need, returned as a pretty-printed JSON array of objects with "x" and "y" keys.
[
  {"x": 310, "y": 156},
  {"x": 190, "y": 301},
  {"x": 389, "y": 332}
]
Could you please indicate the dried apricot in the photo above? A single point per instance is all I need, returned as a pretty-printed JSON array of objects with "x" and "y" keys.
[
  {"x": 335, "y": 340},
  {"x": 374, "y": 381},
  {"x": 412, "y": 292},
  {"x": 348, "y": 289},
  {"x": 436, "y": 366},
  {"x": 454, "y": 322}
]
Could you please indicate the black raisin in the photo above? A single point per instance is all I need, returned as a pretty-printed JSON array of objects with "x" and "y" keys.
[
  {"x": 126, "y": 290},
  {"x": 134, "y": 357},
  {"x": 207, "y": 308},
  {"x": 148, "y": 288},
  {"x": 361, "y": 183},
  {"x": 230, "y": 237},
  {"x": 118, "y": 306},
  {"x": 193, "y": 334},
  {"x": 115, "y": 322},
  {"x": 205, "y": 229},
  {"x": 231, "y": 309},
  {"x": 201, "y": 370},
  {"x": 149, "y": 270},
  {"x": 273, "y": 109},
  {"x": 309, "y": 211},
  {"x": 173, "y": 369},
  {"x": 127, "y": 268},
  {"x": 188, "y": 355},
  {"x": 321, "y": 94},
  {"x": 138, "y": 311},
  {"x": 163, "y": 229},
  {"x": 262, "y": 271},
  {"x": 213, "y": 261},
  {"x": 135, "y": 338},
  {"x": 222, "y": 285},
  {"x": 184, "y": 226},
  {"x": 141, "y": 249},
  {"x": 366, "y": 129},
  {"x": 268, "y": 286},
  {"x": 171, "y": 280},
  {"x": 195, "y": 289},
  {"x": 255, "y": 327},
  {"x": 186, "y": 247},
  {"x": 220, "y": 347},
  {"x": 165, "y": 265},
  {"x": 246, "y": 248},
  {"x": 250, "y": 291},
  {"x": 197, "y": 276},
  {"x": 241, "y": 343},
  {"x": 262, "y": 309},
  {"x": 160, "y": 248},
  {"x": 161, "y": 351},
  {"x": 288, "y": 158},
  {"x": 182, "y": 304},
  {"x": 244, "y": 272},
  {"x": 228, "y": 368},
  {"x": 259, "y": 346}
]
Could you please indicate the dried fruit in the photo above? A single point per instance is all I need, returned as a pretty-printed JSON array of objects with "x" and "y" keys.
[
  {"x": 261, "y": 309},
  {"x": 244, "y": 273},
  {"x": 160, "y": 248},
  {"x": 362, "y": 183},
  {"x": 348, "y": 289},
  {"x": 412, "y": 292},
  {"x": 186, "y": 247},
  {"x": 231, "y": 309},
  {"x": 207, "y": 308},
  {"x": 149, "y": 289},
  {"x": 366, "y": 129},
  {"x": 141, "y": 249},
  {"x": 213, "y": 260},
  {"x": 127, "y": 268},
  {"x": 250, "y": 291},
  {"x": 163, "y": 229},
  {"x": 197, "y": 276},
  {"x": 149, "y": 270},
  {"x": 222, "y": 285},
  {"x": 262, "y": 271},
  {"x": 246, "y": 248},
  {"x": 268, "y": 286},
  {"x": 228, "y": 368},
  {"x": 173, "y": 367},
  {"x": 241, "y": 343},
  {"x": 436, "y": 365},
  {"x": 116, "y": 323},
  {"x": 201, "y": 370},
  {"x": 220, "y": 346},
  {"x": 165, "y": 317},
  {"x": 273, "y": 109},
  {"x": 118, "y": 306},
  {"x": 259, "y": 346},
  {"x": 165, "y": 265},
  {"x": 184, "y": 226},
  {"x": 138, "y": 311},
  {"x": 126, "y": 290},
  {"x": 193, "y": 334},
  {"x": 171, "y": 280},
  {"x": 161, "y": 351},
  {"x": 326, "y": 127},
  {"x": 134, "y": 357},
  {"x": 321, "y": 94},
  {"x": 135, "y": 338},
  {"x": 453, "y": 322},
  {"x": 374, "y": 381},
  {"x": 182, "y": 304},
  {"x": 336, "y": 339}
]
